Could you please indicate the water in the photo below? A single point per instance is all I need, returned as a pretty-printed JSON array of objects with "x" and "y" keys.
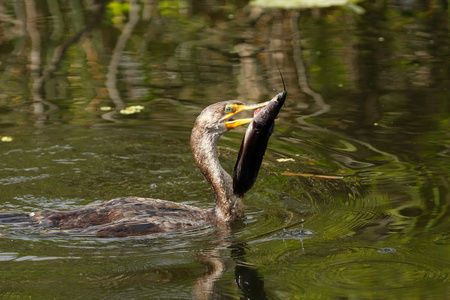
[{"x": 367, "y": 101}]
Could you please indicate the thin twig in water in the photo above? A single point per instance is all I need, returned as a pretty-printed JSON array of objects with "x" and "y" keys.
[{"x": 312, "y": 175}]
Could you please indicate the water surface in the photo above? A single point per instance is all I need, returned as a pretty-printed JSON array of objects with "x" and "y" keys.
[{"x": 367, "y": 101}]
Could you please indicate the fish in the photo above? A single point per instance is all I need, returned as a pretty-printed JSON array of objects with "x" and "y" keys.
[{"x": 254, "y": 143}]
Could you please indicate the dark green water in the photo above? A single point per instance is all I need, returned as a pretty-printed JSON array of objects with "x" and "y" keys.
[{"x": 368, "y": 100}]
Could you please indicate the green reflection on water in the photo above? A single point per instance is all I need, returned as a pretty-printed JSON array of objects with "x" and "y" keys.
[{"x": 381, "y": 232}]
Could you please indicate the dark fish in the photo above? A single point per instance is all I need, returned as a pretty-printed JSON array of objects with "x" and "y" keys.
[{"x": 254, "y": 144}]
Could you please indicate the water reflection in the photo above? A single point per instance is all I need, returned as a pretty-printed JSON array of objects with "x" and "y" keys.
[
  {"x": 368, "y": 102},
  {"x": 247, "y": 278}
]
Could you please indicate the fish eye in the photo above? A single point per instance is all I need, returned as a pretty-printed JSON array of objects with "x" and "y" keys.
[{"x": 229, "y": 109}]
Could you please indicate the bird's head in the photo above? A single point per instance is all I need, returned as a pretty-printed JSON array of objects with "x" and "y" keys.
[{"x": 220, "y": 117}]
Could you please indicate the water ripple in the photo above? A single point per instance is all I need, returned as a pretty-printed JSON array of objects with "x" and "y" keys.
[
  {"x": 318, "y": 268},
  {"x": 21, "y": 179},
  {"x": 372, "y": 275}
]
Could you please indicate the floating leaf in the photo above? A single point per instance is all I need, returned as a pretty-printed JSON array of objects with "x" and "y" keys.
[
  {"x": 132, "y": 110},
  {"x": 285, "y": 159},
  {"x": 105, "y": 108},
  {"x": 6, "y": 139}
]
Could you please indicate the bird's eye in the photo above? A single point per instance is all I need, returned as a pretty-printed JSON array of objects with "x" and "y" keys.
[{"x": 229, "y": 109}]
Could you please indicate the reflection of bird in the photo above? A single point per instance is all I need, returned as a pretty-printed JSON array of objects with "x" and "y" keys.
[{"x": 140, "y": 216}]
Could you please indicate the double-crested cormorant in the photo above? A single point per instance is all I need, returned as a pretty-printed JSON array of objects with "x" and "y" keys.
[{"x": 141, "y": 216}]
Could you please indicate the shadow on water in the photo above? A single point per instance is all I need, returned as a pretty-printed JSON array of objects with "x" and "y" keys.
[{"x": 98, "y": 100}]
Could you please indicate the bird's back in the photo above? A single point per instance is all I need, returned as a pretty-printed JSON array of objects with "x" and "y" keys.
[{"x": 121, "y": 217}]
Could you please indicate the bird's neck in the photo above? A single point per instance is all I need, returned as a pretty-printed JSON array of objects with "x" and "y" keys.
[{"x": 229, "y": 206}]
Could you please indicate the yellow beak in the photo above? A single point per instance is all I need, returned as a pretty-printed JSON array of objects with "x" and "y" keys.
[{"x": 237, "y": 108}]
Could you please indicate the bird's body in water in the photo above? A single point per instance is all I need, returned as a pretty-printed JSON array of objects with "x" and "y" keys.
[
  {"x": 142, "y": 216},
  {"x": 126, "y": 216}
]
